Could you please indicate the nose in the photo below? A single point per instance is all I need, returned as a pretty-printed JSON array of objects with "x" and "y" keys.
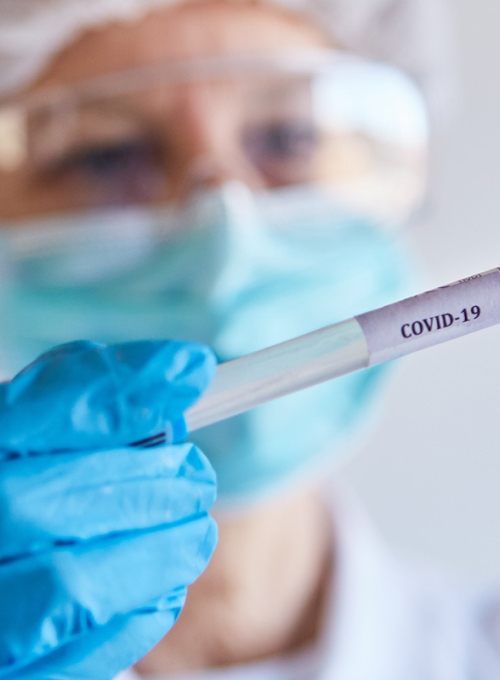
[{"x": 208, "y": 143}]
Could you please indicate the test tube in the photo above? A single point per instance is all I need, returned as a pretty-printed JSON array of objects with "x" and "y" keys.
[{"x": 395, "y": 330}]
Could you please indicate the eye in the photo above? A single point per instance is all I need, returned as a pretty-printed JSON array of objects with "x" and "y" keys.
[
  {"x": 124, "y": 172},
  {"x": 108, "y": 162},
  {"x": 281, "y": 140},
  {"x": 282, "y": 152}
]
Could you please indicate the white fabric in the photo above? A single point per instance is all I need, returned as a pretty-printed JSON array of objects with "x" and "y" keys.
[
  {"x": 386, "y": 621},
  {"x": 413, "y": 34}
]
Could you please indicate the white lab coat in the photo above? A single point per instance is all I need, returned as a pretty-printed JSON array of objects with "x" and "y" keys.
[{"x": 386, "y": 621}]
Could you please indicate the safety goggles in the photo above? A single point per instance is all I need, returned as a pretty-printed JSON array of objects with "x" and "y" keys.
[{"x": 146, "y": 137}]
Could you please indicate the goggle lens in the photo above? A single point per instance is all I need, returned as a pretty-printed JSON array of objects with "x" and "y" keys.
[{"x": 357, "y": 128}]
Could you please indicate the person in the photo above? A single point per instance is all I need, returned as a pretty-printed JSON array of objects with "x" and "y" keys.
[{"x": 172, "y": 176}]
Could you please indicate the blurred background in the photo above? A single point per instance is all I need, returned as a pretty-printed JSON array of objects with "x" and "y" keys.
[{"x": 430, "y": 475}]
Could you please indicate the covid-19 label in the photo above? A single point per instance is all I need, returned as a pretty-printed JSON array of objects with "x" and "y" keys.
[{"x": 431, "y": 318}]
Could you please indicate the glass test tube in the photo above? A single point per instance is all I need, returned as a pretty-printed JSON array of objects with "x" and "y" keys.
[{"x": 401, "y": 328}]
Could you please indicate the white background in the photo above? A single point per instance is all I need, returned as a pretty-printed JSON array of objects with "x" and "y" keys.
[{"x": 430, "y": 475}]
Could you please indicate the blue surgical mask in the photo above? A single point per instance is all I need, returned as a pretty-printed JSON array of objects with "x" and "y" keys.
[{"x": 236, "y": 270}]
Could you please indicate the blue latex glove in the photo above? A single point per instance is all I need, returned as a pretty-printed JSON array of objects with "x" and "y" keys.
[{"x": 98, "y": 540}]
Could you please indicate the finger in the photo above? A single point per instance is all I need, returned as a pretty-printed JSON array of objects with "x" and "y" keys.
[
  {"x": 68, "y": 348},
  {"x": 85, "y": 396},
  {"x": 102, "y": 653},
  {"x": 49, "y": 500},
  {"x": 74, "y": 591}
]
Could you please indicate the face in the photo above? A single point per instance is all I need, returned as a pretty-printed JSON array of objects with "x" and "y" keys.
[{"x": 157, "y": 145}]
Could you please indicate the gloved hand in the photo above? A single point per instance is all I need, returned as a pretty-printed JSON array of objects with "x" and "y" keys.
[{"x": 98, "y": 539}]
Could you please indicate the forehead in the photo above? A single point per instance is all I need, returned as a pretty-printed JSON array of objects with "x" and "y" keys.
[{"x": 194, "y": 30}]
